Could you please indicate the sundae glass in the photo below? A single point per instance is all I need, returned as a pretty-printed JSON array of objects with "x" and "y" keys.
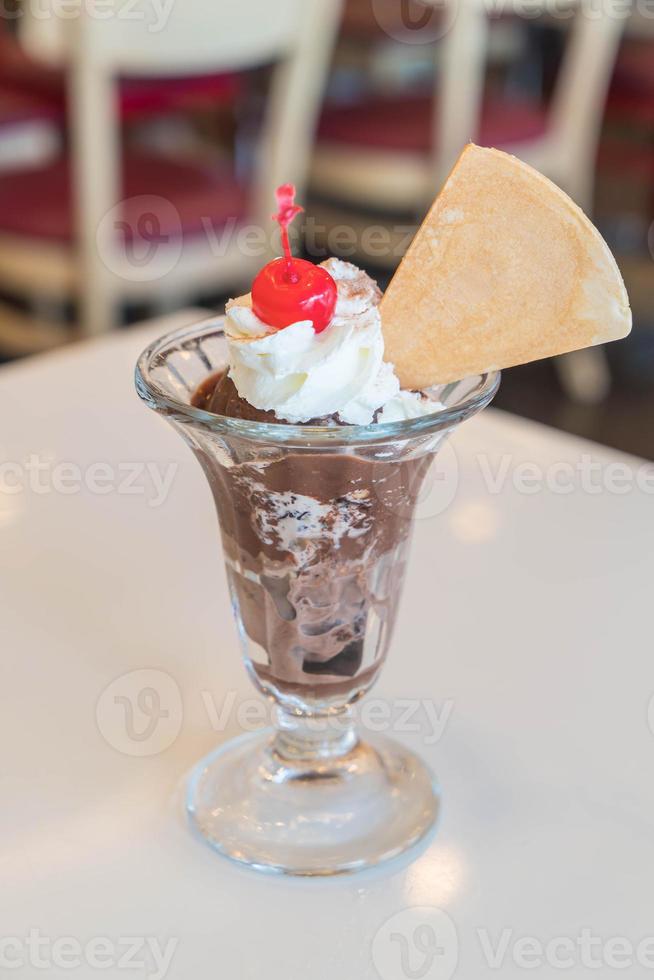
[
  {"x": 315, "y": 523},
  {"x": 315, "y": 409}
]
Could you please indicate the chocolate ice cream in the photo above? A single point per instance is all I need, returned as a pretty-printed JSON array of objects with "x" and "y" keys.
[{"x": 315, "y": 546}]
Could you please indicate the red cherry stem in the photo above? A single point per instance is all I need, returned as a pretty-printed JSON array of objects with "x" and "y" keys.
[
  {"x": 288, "y": 210},
  {"x": 291, "y": 275}
]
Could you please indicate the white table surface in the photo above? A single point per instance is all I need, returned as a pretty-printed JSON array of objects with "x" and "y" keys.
[{"x": 525, "y": 626}]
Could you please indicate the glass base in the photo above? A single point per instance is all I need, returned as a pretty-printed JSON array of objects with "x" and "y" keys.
[{"x": 342, "y": 814}]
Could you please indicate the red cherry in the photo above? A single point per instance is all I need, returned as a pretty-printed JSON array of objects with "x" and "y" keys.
[{"x": 284, "y": 293}]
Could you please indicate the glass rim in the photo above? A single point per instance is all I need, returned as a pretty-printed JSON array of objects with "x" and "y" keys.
[{"x": 162, "y": 401}]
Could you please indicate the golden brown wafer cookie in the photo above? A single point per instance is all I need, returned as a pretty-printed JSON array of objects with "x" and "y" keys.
[{"x": 506, "y": 269}]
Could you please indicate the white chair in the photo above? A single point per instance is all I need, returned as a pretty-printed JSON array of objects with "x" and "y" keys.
[
  {"x": 99, "y": 268},
  {"x": 564, "y": 150}
]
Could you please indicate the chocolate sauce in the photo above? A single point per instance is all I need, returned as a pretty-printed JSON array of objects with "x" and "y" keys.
[{"x": 218, "y": 394}]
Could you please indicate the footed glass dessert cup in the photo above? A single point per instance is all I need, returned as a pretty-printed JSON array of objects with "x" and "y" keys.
[{"x": 315, "y": 524}]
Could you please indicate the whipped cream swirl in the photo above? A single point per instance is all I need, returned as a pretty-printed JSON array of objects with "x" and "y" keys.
[{"x": 301, "y": 375}]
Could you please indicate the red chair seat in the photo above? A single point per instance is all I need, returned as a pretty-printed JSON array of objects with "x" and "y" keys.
[
  {"x": 138, "y": 96},
  {"x": 405, "y": 125},
  {"x": 17, "y": 107},
  {"x": 146, "y": 96},
  {"x": 39, "y": 203},
  {"x": 634, "y": 70}
]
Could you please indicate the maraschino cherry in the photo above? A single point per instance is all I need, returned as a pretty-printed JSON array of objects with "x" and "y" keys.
[{"x": 288, "y": 290}]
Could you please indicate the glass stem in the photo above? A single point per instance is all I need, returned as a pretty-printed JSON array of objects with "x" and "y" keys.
[{"x": 302, "y": 738}]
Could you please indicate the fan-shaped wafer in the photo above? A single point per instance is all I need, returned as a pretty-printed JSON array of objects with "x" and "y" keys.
[{"x": 505, "y": 269}]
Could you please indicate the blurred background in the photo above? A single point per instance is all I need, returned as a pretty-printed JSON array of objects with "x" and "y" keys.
[{"x": 141, "y": 142}]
